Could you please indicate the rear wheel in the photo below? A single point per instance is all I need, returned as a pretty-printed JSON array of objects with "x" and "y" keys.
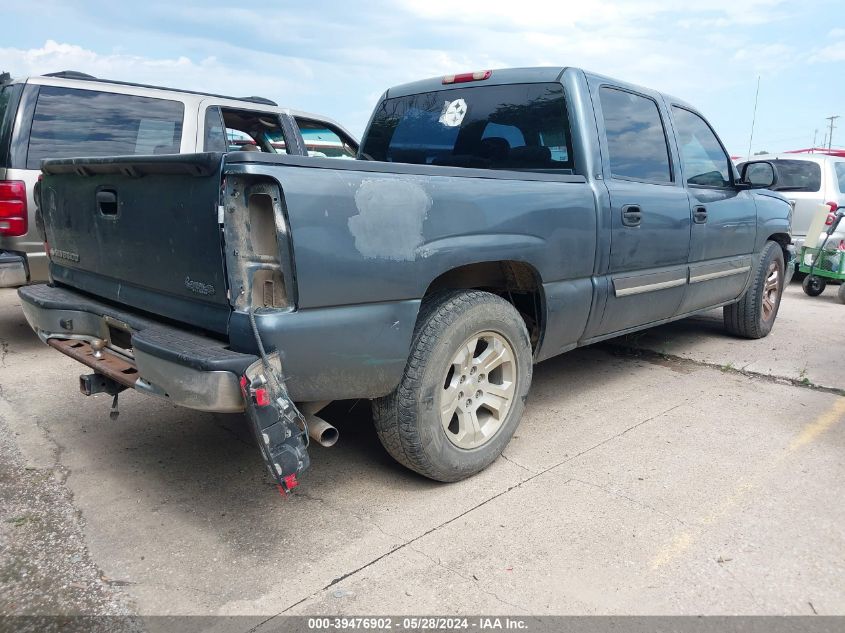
[
  {"x": 464, "y": 387},
  {"x": 754, "y": 314},
  {"x": 813, "y": 286}
]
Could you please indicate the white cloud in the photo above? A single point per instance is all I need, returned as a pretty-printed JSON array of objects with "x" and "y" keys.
[
  {"x": 833, "y": 53},
  {"x": 764, "y": 58},
  {"x": 205, "y": 74},
  {"x": 339, "y": 61},
  {"x": 554, "y": 14},
  {"x": 346, "y": 90}
]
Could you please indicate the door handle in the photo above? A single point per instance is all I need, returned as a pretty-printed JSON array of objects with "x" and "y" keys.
[
  {"x": 632, "y": 215},
  {"x": 699, "y": 215}
]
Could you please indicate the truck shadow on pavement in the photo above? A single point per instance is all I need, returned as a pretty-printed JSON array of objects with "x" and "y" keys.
[{"x": 178, "y": 452}]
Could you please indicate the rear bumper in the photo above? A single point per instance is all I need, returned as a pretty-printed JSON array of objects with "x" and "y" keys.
[
  {"x": 12, "y": 270},
  {"x": 184, "y": 368}
]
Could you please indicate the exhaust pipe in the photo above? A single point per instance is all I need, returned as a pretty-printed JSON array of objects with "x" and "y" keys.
[{"x": 321, "y": 431}]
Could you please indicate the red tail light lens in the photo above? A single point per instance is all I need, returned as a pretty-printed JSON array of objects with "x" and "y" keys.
[{"x": 13, "y": 212}]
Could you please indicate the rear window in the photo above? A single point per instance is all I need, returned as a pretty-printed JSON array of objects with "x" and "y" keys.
[
  {"x": 520, "y": 126},
  {"x": 798, "y": 175},
  {"x": 840, "y": 175},
  {"x": 70, "y": 123}
]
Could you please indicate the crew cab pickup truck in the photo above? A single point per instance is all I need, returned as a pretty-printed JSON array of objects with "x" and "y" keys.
[{"x": 491, "y": 221}]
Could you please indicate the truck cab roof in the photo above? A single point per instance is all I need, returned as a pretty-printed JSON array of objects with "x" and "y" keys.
[{"x": 502, "y": 76}]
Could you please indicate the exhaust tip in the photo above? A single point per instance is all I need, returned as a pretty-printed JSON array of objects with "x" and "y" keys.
[
  {"x": 328, "y": 437},
  {"x": 321, "y": 431}
]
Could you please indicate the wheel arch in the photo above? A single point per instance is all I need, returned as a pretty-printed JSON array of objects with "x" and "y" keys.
[
  {"x": 518, "y": 282},
  {"x": 784, "y": 240}
]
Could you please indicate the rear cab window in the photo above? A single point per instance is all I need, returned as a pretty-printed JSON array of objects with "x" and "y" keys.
[
  {"x": 70, "y": 122},
  {"x": 516, "y": 127}
]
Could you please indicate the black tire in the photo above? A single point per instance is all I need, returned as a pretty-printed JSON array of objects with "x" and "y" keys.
[
  {"x": 752, "y": 317},
  {"x": 813, "y": 286},
  {"x": 408, "y": 421}
]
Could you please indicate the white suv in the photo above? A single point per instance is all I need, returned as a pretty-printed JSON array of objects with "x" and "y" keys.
[
  {"x": 71, "y": 114},
  {"x": 813, "y": 184}
]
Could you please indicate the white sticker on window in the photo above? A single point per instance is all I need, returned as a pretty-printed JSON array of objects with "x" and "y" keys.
[{"x": 453, "y": 113}]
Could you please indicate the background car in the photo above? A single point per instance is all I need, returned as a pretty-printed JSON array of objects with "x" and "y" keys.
[{"x": 813, "y": 184}]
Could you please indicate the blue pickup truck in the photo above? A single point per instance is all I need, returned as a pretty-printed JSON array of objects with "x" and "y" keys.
[{"x": 492, "y": 220}]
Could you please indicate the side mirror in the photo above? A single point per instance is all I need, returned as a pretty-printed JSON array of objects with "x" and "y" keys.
[{"x": 758, "y": 174}]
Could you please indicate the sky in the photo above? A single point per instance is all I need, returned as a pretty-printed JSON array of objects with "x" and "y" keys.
[{"x": 337, "y": 57}]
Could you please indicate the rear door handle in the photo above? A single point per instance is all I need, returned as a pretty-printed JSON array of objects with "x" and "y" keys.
[
  {"x": 632, "y": 215},
  {"x": 699, "y": 215}
]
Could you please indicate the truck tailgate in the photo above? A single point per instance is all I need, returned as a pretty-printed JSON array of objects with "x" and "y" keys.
[{"x": 140, "y": 231}]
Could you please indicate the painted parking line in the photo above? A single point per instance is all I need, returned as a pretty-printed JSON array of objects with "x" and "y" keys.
[{"x": 808, "y": 433}]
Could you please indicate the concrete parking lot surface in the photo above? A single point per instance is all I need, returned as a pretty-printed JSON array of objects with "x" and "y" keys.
[{"x": 661, "y": 482}]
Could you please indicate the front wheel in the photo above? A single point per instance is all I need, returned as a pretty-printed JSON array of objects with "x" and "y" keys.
[
  {"x": 464, "y": 388},
  {"x": 813, "y": 286},
  {"x": 754, "y": 314}
]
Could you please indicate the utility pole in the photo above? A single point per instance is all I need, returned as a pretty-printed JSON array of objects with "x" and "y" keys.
[{"x": 832, "y": 127}]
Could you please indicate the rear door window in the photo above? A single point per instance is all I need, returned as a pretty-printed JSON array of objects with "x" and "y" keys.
[
  {"x": 71, "y": 123},
  {"x": 840, "y": 175},
  {"x": 253, "y": 131},
  {"x": 636, "y": 139},
  {"x": 517, "y": 126}
]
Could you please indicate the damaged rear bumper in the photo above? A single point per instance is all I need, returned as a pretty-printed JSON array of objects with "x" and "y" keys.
[{"x": 185, "y": 368}]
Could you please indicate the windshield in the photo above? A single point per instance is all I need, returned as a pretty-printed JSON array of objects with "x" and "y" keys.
[{"x": 520, "y": 126}]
